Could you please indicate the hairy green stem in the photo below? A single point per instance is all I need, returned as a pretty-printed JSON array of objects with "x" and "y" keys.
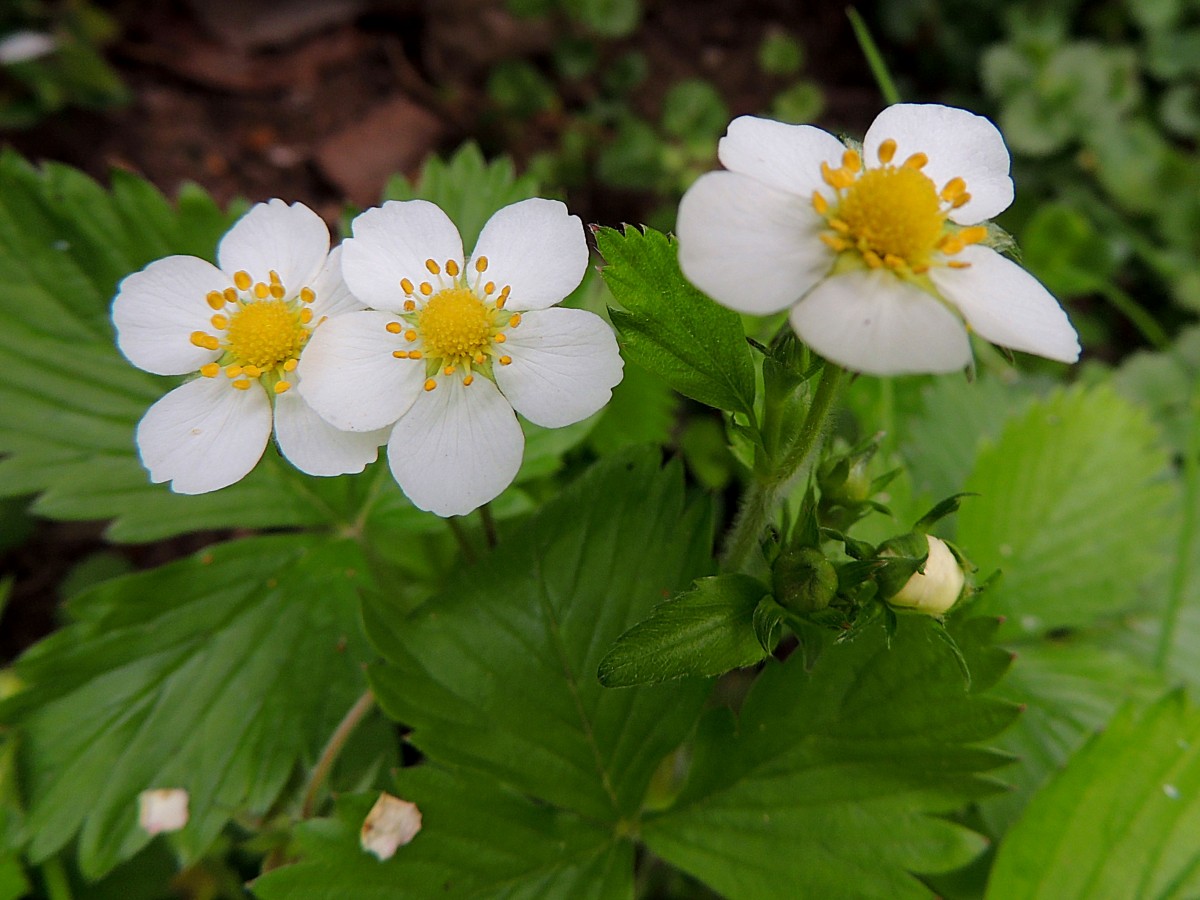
[
  {"x": 758, "y": 504},
  {"x": 870, "y": 50},
  {"x": 333, "y": 749},
  {"x": 464, "y": 543}
]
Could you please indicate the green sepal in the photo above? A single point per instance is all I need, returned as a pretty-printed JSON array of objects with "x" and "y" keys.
[
  {"x": 769, "y": 617},
  {"x": 946, "y": 507}
]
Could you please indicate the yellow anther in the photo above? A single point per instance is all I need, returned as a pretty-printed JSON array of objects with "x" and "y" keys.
[
  {"x": 282, "y": 386},
  {"x": 451, "y": 268},
  {"x": 433, "y": 267},
  {"x": 835, "y": 243},
  {"x": 277, "y": 290},
  {"x": 467, "y": 379},
  {"x": 307, "y": 295},
  {"x": 920, "y": 269},
  {"x": 400, "y": 354},
  {"x": 886, "y": 151},
  {"x": 306, "y": 315},
  {"x": 839, "y": 226},
  {"x": 951, "y": 246},
  {"x": 480, "y": 359},
  {"x": 210, "y": 370},
  {"x": 426, "y": 288},
  {"x": 414, "y": 354},
  {"x": 410, "y": 335},
  {"x": 505, "y": 360},
  {"x": 481, "y": 264},
  {"x": 233, "y": 371},
  {"x": 219, "y": 322},
  {"x": 953, "y": 189},
  {"x": 242, "y": 280},
  {"x": 958, "y": 264},
  {"x": 290, "y": 365},
  {"x": 515, "y": 320},
  {"x": 961, "y": 200},
  {"x": 500, "y": 338},
  {"x": 242, "y": 385},
  {"x": 851, "y": 160},
  {"x": 489, "y": 288},
  {"x": 406, "y": 285},
  {"x": 273, "y": 276},
  {"x": 251, "y": 371},
  {"x": 409, "y": 305},
  {"x": 973, "y": 235},
  {"x": 820, "y": 204},
  {"x": 916, "y": 161},
  {"x": 449, "y": 370},
  {"x": 394, "y": 327},
  {"x": 892, "y": 261},
  {"x": 838, "y": 178},
  {"x": 871, "y": 258},
  {"x": 215, "y": 299},
  {"x": 261, "y": 291},
  {"x": 230, "y": 295},
  {"x": 206, "y": 341},
  {"x": 430, "y": 384}
]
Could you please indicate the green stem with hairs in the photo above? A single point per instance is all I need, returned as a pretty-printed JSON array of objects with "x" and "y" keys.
[{"x": 870, "y": 50}]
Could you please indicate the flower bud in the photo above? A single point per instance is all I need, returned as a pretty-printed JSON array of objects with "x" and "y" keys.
[
  {"x": 938, "y": 589},
  {"x": 804, "y": 580},
  {"x": 162, "y": 809}
]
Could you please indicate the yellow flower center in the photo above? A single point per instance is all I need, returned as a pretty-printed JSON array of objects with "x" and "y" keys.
[
  {"x": 263, "y": 332},
  {"x": 459, "y": 326},
  {"x": 894, "y": 216},
  {"x": 455, "y": 324}
]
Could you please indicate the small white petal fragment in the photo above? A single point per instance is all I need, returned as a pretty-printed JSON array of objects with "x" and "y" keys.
[
  {"x": 959, "y": 144},
  {"x": 22, "y": 46},
  {"x": 389, "y": 825},
  {"x": 938, "y": 589},
  {"x": 785, "y": 157},
  {"x": 749, "y": 246},
  {"x": 314, "y": 446},
  {"x": 875, "y": 323},
  {"x": 162, "y": 809},
  {"x": 1008, "y": 306},
  {"x": 293, "y": 241},
  {"x": 565, "y": 364},
  {"x": 536, "y": 248}
]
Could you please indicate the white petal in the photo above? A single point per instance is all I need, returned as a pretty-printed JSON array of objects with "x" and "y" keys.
[
  {"x": 204, "y": 435},
  {"x": 291, "y": 240},
  {"x": 314, "y": 446},
  {"x": 391, "y": 824},
  {"x": 457, "y": 448},
  {"x": 22, "y": 46},
  {"x": 162, "y": 809},
  {"x": 348, "y": 375},
  {"x": 392, "y": 242},
  {"x": 157, "y": 309},
  {"x": 958, "y": 144},
  {"x": 871, "y": 321},
  {"x": 1008, "y": 306},
  {"x": 333, "y": 296},
  {"x": 748, "y": 246},
  {"x": 537, "y": 249},
  {"x": 564, "y": 366},
  {"x": 785, "y": 157}
]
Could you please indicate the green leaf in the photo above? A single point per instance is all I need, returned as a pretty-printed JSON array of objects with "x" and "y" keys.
[
  {"x": 610, "y": 18},
  {"x": 498, "y": 673},
  {"x": 1120, "y": 821},
  {"x": 467, "y": 187},
  {"x": 694, "y": 110},
  {"x": 1071, "y": 506},
  {"x": 706, "y": 630},
  {"x": 217, "y": 674},
  {"x": 670, "y": 327},
  {"x": 642, "y": 411},
  {"x": 833, "y": 780},
  {"x": 478, "y": 840}
]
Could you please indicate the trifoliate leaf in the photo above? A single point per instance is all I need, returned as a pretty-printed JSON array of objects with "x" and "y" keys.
[
  {"x": 670, "y": 327},
  {"x": 1072, "y": 509},
  {"x": 477, "y": 840},
  {"x": 706, "y": 630},
  {"x": 498, "y": 673},
  {"x": 215, "y": 674},
  {"x": 467, "y": 187},
  {"x": 832, "y": 781},
  {"x": 1120, "y": 821}
]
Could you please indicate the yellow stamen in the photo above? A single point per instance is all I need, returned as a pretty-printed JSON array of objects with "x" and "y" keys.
[
  {"x": 252, "y": 371},
  {"x": 500, "y": 338},
  {"x": 242, "y": 385},
  {"x": 839, "y": 226},
  {"x": 481, "y": 264},
  {"x": 851, "y": 160},
  {"x": 871, "y": 258},
  {"x": 290, "y": 365},
  {"x": 433, "y": 267},
  {"x": 210, "y": 370},
  {"x": 451, "y": 268},
  {"x": 409, "y": 305},
  {"x": 242, "y": 280},
  {"x": 973, "y": 235},
  {"x": 954, "y": 188},
  {"x": 233, "y": 371},
  {"x": 406, "y": 285},
  {"x": 206, "y": 341},
  {"x": 230, "y": 295},
  {"x": 430, "y": 384},
  {"x": 410, "y": 335},
  {"x": 449, "y": 370},
  {"x": 261, "y": 291},
  {"x": 215, "y": 299},
  {"x": 961, "y": 200},
  {"x": 892, "y": 261},
  {"x": 426, "y": 288},
  {"x": 414, "y": 354},
  {"x": 505, "y": 360},
  {"x": 958, "y": 264},
  {"x": 916, "y": 161},
  {"x": 820, "y": 204},
  {"x": 273, "y": 276},
  {"x": 886, "y": 151},
  {"x": 489, "y": 288},
  {"x": 467, "y": 379},
  {"x": 835, "y": 243},
  {"x": 282, "y": 386},
  {"x": 307, "y": 295},
  {"x": 400, "y": 354},
  {"x": 394, "y": 327},
  {"x": 306, "y": 316},
  {"x": 219, "y": 322},
  {"x": 515, "y": 320}
]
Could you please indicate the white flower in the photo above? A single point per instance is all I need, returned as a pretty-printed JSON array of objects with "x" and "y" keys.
[
  {"x": 879, "y": 254},
  {"x": 449, "y": 348},
  {"x": 162, "y": 809},
  {"x": 937, "y": 589},
  {"x": 389, "y": 825},
  {"x": 242, "y": 327}
]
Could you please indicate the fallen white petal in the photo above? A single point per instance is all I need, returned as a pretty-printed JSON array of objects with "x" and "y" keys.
[
  {"x": 457, "y": 448},
  {"x": 749, "y": 246},
  {"x": 162, "y": 809},
  {"x": 785, "y": 157},
  {"x": 204, "y": 435},
  {"x": 389, "y": 825},
  {"x": 535, "y": 247},
  {"x": 565, "y": 364},
  {"x": 1008, "y": 306},
  {"x": 348, "y": 375},
  {"x": 392, "y": 242},
  {"x": 157, "y": 309},
  {"x": 292, "y": 241},
  {"x": 314, "y": 446},
  {"x": 958, "y": 143},
  {"x": 871, "y": 321}
]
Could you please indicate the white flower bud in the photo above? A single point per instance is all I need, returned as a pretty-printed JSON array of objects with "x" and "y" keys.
[
  {"x": 934, "y": 592},
  {"x": 163, "y": 809},
  {"x": 389, "y": 825}
]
